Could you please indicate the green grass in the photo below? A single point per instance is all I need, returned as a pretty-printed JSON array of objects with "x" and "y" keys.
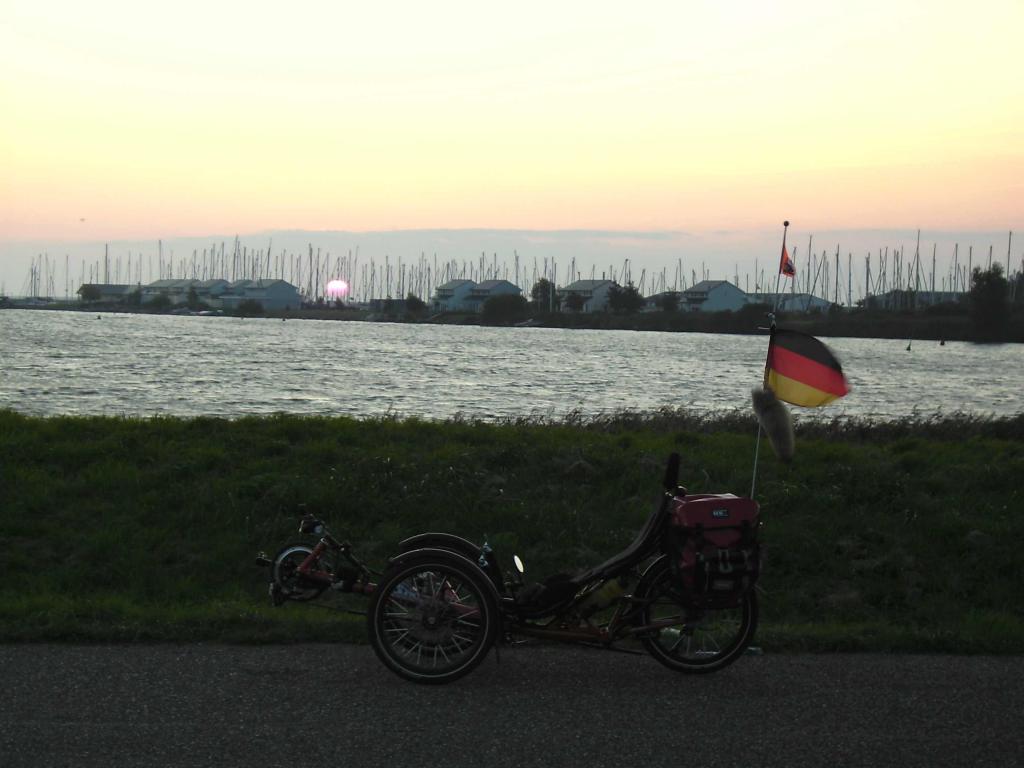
[{"x": 894, "y": 536}]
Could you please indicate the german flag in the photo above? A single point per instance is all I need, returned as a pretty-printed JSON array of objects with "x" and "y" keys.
[{"x": 803, "y": 371}]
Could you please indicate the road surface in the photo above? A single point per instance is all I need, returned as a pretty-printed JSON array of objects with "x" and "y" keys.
[{"x": 335, "y": 705}]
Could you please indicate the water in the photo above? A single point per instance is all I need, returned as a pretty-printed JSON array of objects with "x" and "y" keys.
[{"x": 145, "y": 365}]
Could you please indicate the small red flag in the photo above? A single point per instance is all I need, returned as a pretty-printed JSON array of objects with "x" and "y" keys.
[{"x": 786, "y": 266}]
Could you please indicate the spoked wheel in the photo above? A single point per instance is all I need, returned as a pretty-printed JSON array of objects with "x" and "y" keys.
[
  {"x": 702, "y": 640},
  {"x": 284, "y": 573},
  {"x": 432, "y": 619}
]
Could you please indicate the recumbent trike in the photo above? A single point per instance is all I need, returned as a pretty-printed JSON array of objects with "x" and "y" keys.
[{"x": 684, "y": 589}]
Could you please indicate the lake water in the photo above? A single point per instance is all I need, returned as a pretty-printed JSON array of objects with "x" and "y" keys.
[{"x": 145, "y": 365}]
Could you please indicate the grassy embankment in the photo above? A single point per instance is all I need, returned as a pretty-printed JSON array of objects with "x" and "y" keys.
[{"x": 904, "y": 536}]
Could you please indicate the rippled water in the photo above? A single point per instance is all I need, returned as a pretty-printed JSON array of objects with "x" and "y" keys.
[{"x": 75, "y": 363}]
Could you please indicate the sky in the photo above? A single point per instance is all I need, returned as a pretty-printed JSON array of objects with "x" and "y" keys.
[{"x": 127, "y": 122}]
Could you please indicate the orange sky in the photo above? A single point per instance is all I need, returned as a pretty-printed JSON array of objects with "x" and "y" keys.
[{"x": 125, "y": 122}]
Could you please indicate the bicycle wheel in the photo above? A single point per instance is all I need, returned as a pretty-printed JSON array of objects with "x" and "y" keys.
[
  {"x": 432, "y": 619},
  {"x": 292, "y": 585},
  {"x": 699, "y": 640}
]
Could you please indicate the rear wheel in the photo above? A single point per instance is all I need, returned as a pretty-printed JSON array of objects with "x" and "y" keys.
[
  {"x": 432, "y": 619},
  {"x": 689, "y": 639}
]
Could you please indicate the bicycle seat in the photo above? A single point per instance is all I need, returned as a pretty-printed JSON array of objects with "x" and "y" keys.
[{"x": 644, "y": 543}]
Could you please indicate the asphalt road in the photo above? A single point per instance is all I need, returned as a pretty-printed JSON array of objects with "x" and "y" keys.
[{"x": 335, "y": 705}]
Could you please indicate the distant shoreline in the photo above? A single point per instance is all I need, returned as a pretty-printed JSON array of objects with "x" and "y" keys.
[{"x": 919, "y": 326}]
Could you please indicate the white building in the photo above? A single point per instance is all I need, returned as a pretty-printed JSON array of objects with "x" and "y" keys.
[
  {"x": 453, "y": 296},
  {"x": 272, "y": 295},
  {"x": 909, "y": 299},
  {"x": 174, "y": 289},
  {"x": 713, "y": 296},
  {"x": 791, "y": 302},
  {"x": 593, "y": 292}
]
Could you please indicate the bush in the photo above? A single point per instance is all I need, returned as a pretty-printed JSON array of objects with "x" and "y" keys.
[
  {"x": 414, "y": 305},
  {"x": 506, "y": 308},
  {"x": 249, "y": 307},
  {"x": 159, "y": 303}
]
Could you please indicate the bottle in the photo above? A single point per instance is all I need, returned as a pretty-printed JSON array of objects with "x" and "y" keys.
[{"x": 604, "y": 595}]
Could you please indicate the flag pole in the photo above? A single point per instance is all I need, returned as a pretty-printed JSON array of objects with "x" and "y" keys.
[
  {"x": 771, "y": 336},
  {"x": 778, "y": 275}
]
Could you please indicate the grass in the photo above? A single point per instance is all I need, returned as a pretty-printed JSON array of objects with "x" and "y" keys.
[{"x": 879, "y": 536}]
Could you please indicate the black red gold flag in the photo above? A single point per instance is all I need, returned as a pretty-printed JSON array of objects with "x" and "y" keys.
[{"x": 803, "y": 371}]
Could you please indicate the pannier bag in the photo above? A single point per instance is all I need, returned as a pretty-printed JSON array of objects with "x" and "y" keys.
[{"x": 714, "y": 549}]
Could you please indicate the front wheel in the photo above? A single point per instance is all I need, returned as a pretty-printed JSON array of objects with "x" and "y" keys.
[
  {"x": 688, "y": 639},
  {"x": 284, "y": 572},
  {"x": 432, "y": 619}
]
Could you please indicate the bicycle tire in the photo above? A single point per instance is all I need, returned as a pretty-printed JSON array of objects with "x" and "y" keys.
[
  {"x": 707, "y": 639},
  {"x": 432, "y": 617}
]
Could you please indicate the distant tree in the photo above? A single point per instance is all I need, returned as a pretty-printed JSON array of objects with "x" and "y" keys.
[
  {"x": 159, "y": 303},
  {"x": 1017, "y": 289},
  {"x": 669, "y": 301},
  {"x": 545, "y": 297},
  {"x": 414, "y": 304},
  {"x": 575, "y": 302},
  {"x": 249, "y": 307},
  {"x": 753, "y": 314},
  {"x": 134, "y": 298},
  {"x": 506, "y": 308},
  {"x": 193, "y": 298},
  {"x": 625, "y": 299},
  {"x": 90, "y": 292},
  {"x": 989, "y": 301}
]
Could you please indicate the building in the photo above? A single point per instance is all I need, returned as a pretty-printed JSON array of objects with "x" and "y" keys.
[
  {"x": 481, "y": 292},
  {"x": 594, "y": 294},
  {"x": 791, "y": 302},
  {"x": 272, "y": 295},
  {"x": 453, "y": 296},
  {"x": 910, "y": 300},
  {"x": 713, "y": 296},
  {"x": 174, "y": 289}
]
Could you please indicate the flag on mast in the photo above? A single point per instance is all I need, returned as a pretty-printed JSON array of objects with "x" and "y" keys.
[
  {"x": 786, "y": 266},
  {"x": 802, "y": 371}
]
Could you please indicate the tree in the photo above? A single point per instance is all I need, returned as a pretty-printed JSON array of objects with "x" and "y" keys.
[
  {"x": 159, "y": 303},
  {"x": 90, "y": 292},
  {"x": 627, "y": 300},
  {"x": 192, "y": 300},
  {"x": 545, "y": 297},
  {"x": 506, "y": 308},
  {"x": 990, "y": 308},
  {"x": 669, "y": 301},
  {"x": 414, "y": 304},
  {"x": 249, "y": 307}
]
